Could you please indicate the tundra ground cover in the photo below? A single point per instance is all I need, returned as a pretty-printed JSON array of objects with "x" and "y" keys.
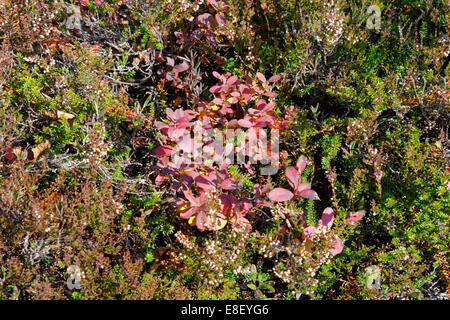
[{"x": 232, "y": 149}]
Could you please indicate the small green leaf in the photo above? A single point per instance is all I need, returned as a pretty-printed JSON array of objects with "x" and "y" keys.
[{"x": 252, "y": 286}]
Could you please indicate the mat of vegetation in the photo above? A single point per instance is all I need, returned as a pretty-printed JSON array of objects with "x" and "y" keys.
[{"x": 95, "y": 97}]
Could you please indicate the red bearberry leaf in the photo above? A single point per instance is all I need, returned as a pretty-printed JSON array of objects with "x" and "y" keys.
[
  {"x": 215, "y": 89},
  {"x": 293, "y": 177},
  {"x": 245, "y": 123},
  {"x": 204, "y": 182},
  {"x": 301, "y": 164},
  {"x": 203, "y": 19},
  {"x": 182, "y": 67},
  {"x": 327, "y": 218},
  {"x": 170, "y": 75},
  {"x": 274, "y": 78},
  {"x": 280, "y": 194},
  {"x": 160, "y": 178},
  {"x": 228, "y": 184},
  {"x": 201, "y": 220},
  {"x": 309, "y": 232},
  {"x": 308, "y": 194},
  {"x": 353, "y": 217},
  {"x": 270, "y": 94},
  {"x": 214, "y": 4},
  {"x": 337, "y": 246},
  {"x": 170, "y": 61},
  {"x": 218, "y": 101},
  {"x": 189, "y": 212},
  {"x": 232, "y": 80},
  {"x": 261, "y": 77},
  {"x": 220, "y": 18}
]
